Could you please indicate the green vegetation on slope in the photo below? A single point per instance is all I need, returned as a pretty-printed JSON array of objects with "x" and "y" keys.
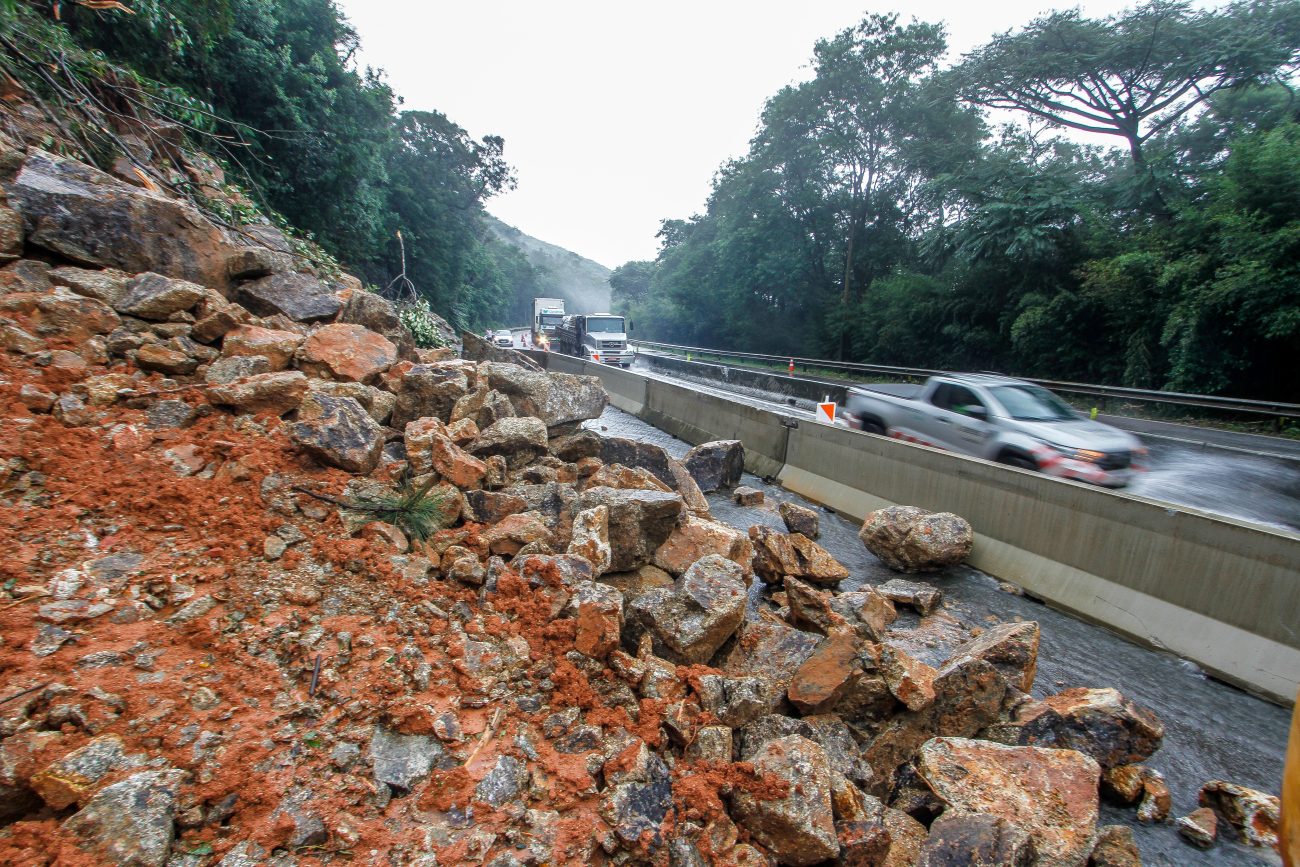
[
  {"x": 877, "y": 217},
  {"x": 270, "y": 89}
]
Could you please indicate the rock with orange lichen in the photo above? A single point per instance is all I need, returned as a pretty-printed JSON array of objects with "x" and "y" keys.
[
  {"x": 1254, "y": 816},
  {"x": 1011, "y": 648},
  {"x": 691, "y": 620},
  {"x": 779, "y": 554},
  {"x": 429, "y": 448},
  {"x": 910, "y": 680},
  {"x": 1051, "y": 794},
  {"x": 350, "y": 353},
  {"x": 277, "y": 347},
  {"x": 823, "y": 678},
  {"x": 1101, "y": 723},
  {"x": 694, "y": 537},
  {"x": 338, "y": 432},
  {"x": 797, "y": 827},
  {"x": 770, "y": 650}
]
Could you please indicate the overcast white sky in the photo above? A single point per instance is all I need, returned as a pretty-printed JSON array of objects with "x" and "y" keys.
[{"x": 616, "y": 114}]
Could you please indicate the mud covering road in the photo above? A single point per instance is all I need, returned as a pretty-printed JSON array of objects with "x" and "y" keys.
[{"x": 1212, "y": 730}]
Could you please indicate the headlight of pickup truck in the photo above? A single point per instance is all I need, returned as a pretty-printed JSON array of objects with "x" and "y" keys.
[{"x": 1086, "y": 455}]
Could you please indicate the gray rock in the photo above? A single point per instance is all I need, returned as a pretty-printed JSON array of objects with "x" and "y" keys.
[
  {"x": 691, "y": 620},
  {"x": 908, "y": 539},
  {"x": 130, "y": 823},
  {"x": 638, "y": 806},
  {"x": 398, "y": 760},
  {"x": 914, "y": 594},
  {"x": 230, "y": 368},
  {"x": 798, "y": 828},
  {"x": 339, "y": 432},
  {"x": 429, "y": 390},
  {"x": 380, "y": 316},
  {"x": 519, "y": 439},
  {"x": 503, "y": 783},
  {"x": 717, "y": 464},
  {"x": 106, "y": 285},
  {"x": 298, "y": 296},
  {"x": 960, "y": 839},
  {"x": 800, "y": 519},
  {"x": 639, "y": 522},
  {"x": 170, "y": 414},
  {"x": 632, "y": 453},
  {"x": 153, "y": 296}
]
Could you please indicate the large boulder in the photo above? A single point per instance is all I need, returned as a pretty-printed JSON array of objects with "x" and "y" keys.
[
  {"x": 571, "y": 398},
  {"x": 60, "y": 313},
  {"x": 1100, "y": 723},
  {"x": 380, "y": 316},
  {"x": 908, "y": 539},
  {"x": 694, "y": 537},
  {"x": 633, "y": 453},
  {"x": 130, "y": 823},
  {"x": 277, "y": 347},
  {"x": 90, "y": 218},
  {"x": 800, "y": 519},
  {"x": 1011, "y": 648},
  {"x": 520, "y": 440},
  {"x": 1051, "y": 794},
  {"x": 298, "y": 296},
  {"x": 153, "y": 296},
  {"x": 639, "y": 522},
  {"x": 768, "y": 650},
  {"x": 275, "y": 393},
  {"x": 717, "y": 464},
  {"x": 778, "y": 554},
  {"x": 430, "y": 448},
  {"x": 339, "y": 432},
  {"x": 796, "y": 824},
  {"x": 429, "y": 390},
  {"x": 691, "y": 620},
  {"x": 350, "y": 353}
]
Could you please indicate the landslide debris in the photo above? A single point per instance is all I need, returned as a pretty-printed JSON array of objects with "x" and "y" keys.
[{"x": 213, "y": 652}]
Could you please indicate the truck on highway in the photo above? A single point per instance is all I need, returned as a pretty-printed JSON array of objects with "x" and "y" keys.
[
  {"x": 594, "y": 336},
  {"x": 999, "y": 419},
  {"x": 548, "y": 313}
]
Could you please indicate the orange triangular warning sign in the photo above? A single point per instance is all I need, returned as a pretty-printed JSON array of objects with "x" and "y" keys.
[{"x": 826, "y": 412}]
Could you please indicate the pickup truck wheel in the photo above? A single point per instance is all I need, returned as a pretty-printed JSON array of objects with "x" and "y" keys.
[
  {"x": 874, "y": 427},
  {"x": 1012, "y": 459}
]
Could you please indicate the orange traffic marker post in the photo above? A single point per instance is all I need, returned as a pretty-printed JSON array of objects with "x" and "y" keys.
[
  {"x": 1290, "y": 837},
  {"x": 791, "y": 367}
]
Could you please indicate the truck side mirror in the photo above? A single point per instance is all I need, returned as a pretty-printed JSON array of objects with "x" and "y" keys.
[
  {"x": 977, "y": 412},
  {"x": 631, "y": 326}
]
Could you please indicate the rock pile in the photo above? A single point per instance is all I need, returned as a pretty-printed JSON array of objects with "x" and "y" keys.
[{"x": 223, "y": 643}]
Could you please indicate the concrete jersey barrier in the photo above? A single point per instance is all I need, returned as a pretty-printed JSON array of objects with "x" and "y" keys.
[{"x": 1223, "y": 593}]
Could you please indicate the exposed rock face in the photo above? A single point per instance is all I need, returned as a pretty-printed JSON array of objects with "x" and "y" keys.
[
  {"x": 300, "y": 297},
  {"x": 691, "y": 620},
  {"x": 153, "y": 296},
  {"x": 1051, "y": 794},
  {"x": 90, "y": 218},
  {"x": 339, "y": 432},
  {"x": 960, "y": 839},
  {"x": 800, "y": 519},
  {"x": 275, "y": 393},
  {"x": 350, "y": 353},
  {"x": 639, "y": 522},
  {"x": 908, "y": 539},
  {"x": 1097, "y": 722},
  {"x": 717, "y": 464},
  {"x": 1255, "y": 816},
  {"x": 777, "y": 555},
  {"x": 798, "y": 828},
  {"x": 131, "y": 822}
]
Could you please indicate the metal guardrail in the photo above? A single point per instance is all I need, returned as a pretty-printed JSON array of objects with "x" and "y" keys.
[{"x": 1272, "y": 409}]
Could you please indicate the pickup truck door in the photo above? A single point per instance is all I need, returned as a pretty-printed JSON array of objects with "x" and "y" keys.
[{"x": 956, "y": 426}]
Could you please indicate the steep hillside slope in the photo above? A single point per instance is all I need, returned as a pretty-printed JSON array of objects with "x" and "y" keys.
[{"x": 582, "y": 283}]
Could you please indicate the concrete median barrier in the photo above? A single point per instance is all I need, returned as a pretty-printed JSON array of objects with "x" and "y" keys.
[{"x": 1220, "y": 592}]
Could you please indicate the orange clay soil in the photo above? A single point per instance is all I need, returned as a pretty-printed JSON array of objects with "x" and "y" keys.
[{"x": 226, "y": 696}]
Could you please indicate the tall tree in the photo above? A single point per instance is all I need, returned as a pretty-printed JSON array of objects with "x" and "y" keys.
[{"x": 1135, "y": 74}]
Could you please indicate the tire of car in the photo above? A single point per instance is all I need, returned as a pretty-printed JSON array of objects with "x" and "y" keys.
[
  {"x": 870, "y": 425},
  {"x": 1016, "y": 459}
]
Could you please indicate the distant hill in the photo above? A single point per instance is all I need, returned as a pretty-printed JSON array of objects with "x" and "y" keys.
[{"x": 582, "y": 283}]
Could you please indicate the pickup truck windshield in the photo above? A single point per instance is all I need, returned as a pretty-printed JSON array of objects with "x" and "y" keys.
[
  {"x": 1031, "y": 403},
  {"x": 605, "y": 324}
]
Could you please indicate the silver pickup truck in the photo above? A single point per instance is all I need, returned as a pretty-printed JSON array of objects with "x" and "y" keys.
[{"x": 998, "y": 419}]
